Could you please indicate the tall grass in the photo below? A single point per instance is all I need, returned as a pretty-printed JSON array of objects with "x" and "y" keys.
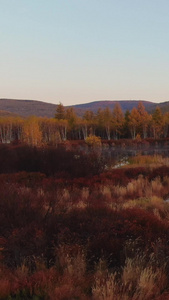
[
  {"x": 149, "y": 160},
  {"x": 139, "y": 279}
]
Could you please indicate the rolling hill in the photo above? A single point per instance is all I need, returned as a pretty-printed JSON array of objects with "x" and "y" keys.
[
  {"x": 125, "y": 105},
  {"x": 27, "y": 108}
]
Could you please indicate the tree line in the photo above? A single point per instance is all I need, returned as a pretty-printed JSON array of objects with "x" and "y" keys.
[{"x": 66, "y": 125}]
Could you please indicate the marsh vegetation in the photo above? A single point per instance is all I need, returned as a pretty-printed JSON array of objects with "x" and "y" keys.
[{"x": 72, "y": 229}]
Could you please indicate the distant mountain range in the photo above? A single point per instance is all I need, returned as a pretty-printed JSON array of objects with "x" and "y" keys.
[{"x": 27, "y": 108}]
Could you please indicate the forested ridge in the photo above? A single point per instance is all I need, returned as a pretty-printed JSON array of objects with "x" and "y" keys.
[
  {"x": 66, "y": 125},
  {"x": 26, "y": 108}
]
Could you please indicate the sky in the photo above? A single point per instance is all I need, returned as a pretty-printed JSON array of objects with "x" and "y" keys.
[{"x": 79, "y": 51}]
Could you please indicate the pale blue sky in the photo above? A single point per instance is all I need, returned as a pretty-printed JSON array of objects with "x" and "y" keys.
[{"x": 78, "y": 51}]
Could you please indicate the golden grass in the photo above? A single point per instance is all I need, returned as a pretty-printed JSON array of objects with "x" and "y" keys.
[
  {"x": 149, "y": 160},
  {"x": 138, "y": 280}
]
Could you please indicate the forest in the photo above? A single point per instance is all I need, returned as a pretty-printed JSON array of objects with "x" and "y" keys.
[
  {"x": 67, "y": 125},
  {"x": 83, "y": 216}
]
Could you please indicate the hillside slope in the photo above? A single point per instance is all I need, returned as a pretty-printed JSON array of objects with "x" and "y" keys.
[
  {"x": 125, "y": 105},
  {"x": 27, "y": 108},
  {"x": 4, "y": 114}
]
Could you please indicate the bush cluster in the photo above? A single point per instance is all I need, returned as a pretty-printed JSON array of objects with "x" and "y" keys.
[{"x": 51, "y": 161}]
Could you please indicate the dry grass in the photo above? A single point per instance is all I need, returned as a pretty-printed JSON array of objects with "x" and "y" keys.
[
  {"x": 142, "y": 188},
  {"x": 138, "y": 280},
  {"x": 149, "y": 160},
  {"x": 106, "y": 288}
]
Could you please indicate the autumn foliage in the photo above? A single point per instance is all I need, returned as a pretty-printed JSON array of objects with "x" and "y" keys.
[{"x": 103, "y": 125}]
